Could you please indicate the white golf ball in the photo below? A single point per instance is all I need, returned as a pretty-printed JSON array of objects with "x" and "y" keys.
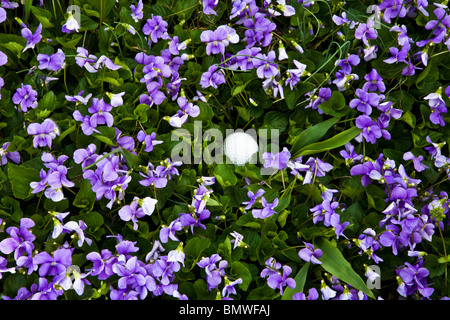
[{"x": 240, "y": 147}]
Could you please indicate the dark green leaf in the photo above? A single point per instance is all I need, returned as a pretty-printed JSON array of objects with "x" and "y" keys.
[
  {"x": 20, "y": 178},
  {"x": 85, "y": 197},
  {"x": 300, "y": 280},
  {"x": 312, "y": 134},
  {"x": 334, "y": 262},
  {"x": 335, "y": 106},
  {"x": 239, "y": 270},
  {"x": 224, "y": 175},
  {"x": 334, "y": 142}
]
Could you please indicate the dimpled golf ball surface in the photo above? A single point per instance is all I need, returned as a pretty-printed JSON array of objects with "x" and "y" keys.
[{"x": 240, "y": 147}]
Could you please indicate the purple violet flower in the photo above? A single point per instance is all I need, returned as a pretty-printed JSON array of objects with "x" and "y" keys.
[
  {"x": 155, "y": 28},
  {"x": 20, "y": 240},
  {"x": 277, "y": 161},
  {"x": 148, "y": 140},
  {"x": 137, "y": 13},
  {"x": 310, "y": 254},
  {"x": 347, "y": 64},
  {"x": 295, "y": 74},
  {"x": 43, "y": 133},
  {"x": 366, "y": 31},
  {"x": 212, "y": 78},
  {"x": 268, "y": 209},
  {"x": 32, "y": 38},
  {"x": 413, "y": 279},
  {"x": 102, "y": 264},
  {"x": 317, "y": 168},
  {"x": 169, "y": 232},
  {"x": 216, "y": 40},
  {"x": 349, "y": 154},
  {"x": 265, "y": 68},
  {"x": 245, "y": 58},
  {"x": 4, "y": 154},
  {"x": 26, "y": 97},
  {"x": 154, "y": 96},
  {"x": 365, "y": 101},
  {"x": 186, "y": 109},
  {"x": 392, "y": 9},
  {"x": 153, "y": 177},
  {"x": 55, "y": 264},
  {"x": 252, "y": 196},
  {"x": 279, "y": 281},
  {"x": 71, "y": 24},
  {"x": 214, "y": 273},
  {"x": 312, "y": 295},
  {"x": 439, "y": 25},
  {"x": 208, "y": 6},
  {"x": 370, "y": 129},
  {"x": 374, "y": 82},
  {"x": 418, "y": 166},
  {"x": 100, "y": 113}
]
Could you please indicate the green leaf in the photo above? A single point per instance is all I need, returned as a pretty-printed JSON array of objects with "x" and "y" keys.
[
  {"x": 334, "y": 262},
  {"x": 85, "y": 197},
  {"x": 48, "y": 101},
  {"x": 444, "y": 259},
  {"x": 43, "y": 17},
  {"x": 239, "y": 270},
  {"x": 335, "y": 106},
  {"x": 312, "y": 134},
  {"x": 224, "y": 175},
  {"x": 429, "y": 74},
  {"x": 28, "y": 4},
  {"x": 69, "y": 44},
  {"x": 409, "y": 118},
  {"x": 10, "y": 207},
  {"x": 187, "y": 179},
  {"x": 293, "y": 96},
  {"x": 3, "y": 178},
  {"x": 20, "y": 178},
  {"x": 141, "y": 112},
  {"x": 107, "y": 135},
  {"x": 276, "y": 120},
  {"x": 194, "y": 248},
  {"x": 264, "y": 249},
  {"x": 93, "y": 219},
  {"x": 206, "y": 112},
  {"x": 334, "y": 142},
  {"x": 13, "y": 283},
  {"x": 236, "y": 90},
  {"x": 131, "y": 159},
  {"x": 300, "y": 280}
]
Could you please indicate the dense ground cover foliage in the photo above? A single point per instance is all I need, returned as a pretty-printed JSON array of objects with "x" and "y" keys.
[{"x": 95, "y": 206}]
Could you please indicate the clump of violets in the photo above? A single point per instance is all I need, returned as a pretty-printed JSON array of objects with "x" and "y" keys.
[
  {"x": 109, "y": 179},
  {"x": 413, "y": 279},
  {"x": 383, "y": 188},
  {"x": 214, "y": 268},
  {"x": 53, "y": 180},
  {"x": 99, "y": 114}
]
